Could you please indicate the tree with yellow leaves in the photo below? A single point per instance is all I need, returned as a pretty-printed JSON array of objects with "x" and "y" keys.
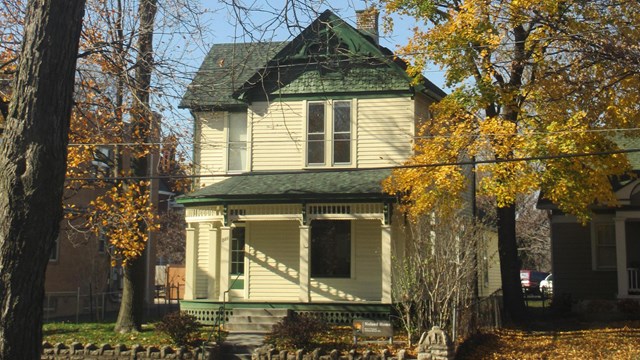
[{"x": 536, "y": 83}]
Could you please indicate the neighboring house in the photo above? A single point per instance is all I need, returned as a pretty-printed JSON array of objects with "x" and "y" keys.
[
  {"x": 599, "y": 260},
  {"x": 292, "y": 141}
]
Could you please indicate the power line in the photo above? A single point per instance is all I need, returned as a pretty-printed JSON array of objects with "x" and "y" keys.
[{"x": 342, "y": 170}]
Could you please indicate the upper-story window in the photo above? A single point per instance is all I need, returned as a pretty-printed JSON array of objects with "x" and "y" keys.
[
  {"x": 237, "y": 142},
  {"x": 329, "y": 133}
]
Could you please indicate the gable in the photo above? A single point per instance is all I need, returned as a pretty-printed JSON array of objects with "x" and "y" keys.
[{"x": 328, "y": 57}]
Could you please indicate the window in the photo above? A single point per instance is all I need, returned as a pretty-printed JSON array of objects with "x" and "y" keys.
[
  {"x": 53, "y": 256},
  {"x": 604, "y": 246},
  {"x": 331, "y": 248},
  {"x": 237, "y": 250},
  {"x": 237, "y": 142},
  {"x": 329, "y": 127},
  {"x": 315, "y": 134}
]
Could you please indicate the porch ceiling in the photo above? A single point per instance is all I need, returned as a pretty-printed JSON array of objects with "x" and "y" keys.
[{"x": 361, "y": 185}]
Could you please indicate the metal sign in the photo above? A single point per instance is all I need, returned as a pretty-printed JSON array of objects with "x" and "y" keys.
[{"x": 372, "y": 328}]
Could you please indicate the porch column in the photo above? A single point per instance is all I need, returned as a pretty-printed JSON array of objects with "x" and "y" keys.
[
  {"x": 385, "y": 253},
  {"x": 214, "y": 268},
  {"x": 225, "y": 253},
  {"x": 621, "y": 257},
  {"x": 304, "y": 263},
  {"x": 191, "y": 265}
]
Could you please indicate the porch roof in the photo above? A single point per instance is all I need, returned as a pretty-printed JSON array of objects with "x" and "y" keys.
[{"x": 278, "y": 187}]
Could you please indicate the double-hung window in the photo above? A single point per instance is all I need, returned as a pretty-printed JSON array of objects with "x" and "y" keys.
[
  {"x": 237, "y": 143},
  {"x": 329, "y": 133},
  {"x": 604, "y": 246},
  {"x": 331, "y": 249}
]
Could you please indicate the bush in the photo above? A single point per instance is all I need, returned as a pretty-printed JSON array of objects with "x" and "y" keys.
[
  {"x": 629, "y": 306},
  {"x": 297, "y": 331},
  {"x": 179, "y": 326}
]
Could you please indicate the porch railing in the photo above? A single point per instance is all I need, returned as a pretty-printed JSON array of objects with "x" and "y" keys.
[{"x": 634, "y": 280}]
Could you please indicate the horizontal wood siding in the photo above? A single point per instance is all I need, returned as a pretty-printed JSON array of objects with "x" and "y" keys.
[
  {"x": 202, "y": 261},
  {"x": 276, "y": 135},
  {"x": 365, "y": 282},
  {"x": 489, "y": 280},
  {"x": 384, "y": 131},
  {"x": 273, "y": 255},
  {"x": 210, "y": 147}
]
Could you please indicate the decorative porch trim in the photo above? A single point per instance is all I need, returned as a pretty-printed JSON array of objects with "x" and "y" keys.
[{"x": 336, "y": 313}]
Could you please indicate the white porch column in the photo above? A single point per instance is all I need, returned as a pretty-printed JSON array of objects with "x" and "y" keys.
[
  {"x": 214, "y": 268},
  {"x": 225, "y": 254},
  {"x": 304, "y": 263},
  {"x": 621, "y": 257},
  {"x": 191, "y": 265},
  {"x": 385, "y": 253}
]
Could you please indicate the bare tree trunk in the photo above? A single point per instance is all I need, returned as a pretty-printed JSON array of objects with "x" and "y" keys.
[
  {"x": 32, "y": 169},
  {"x": 509, "y": 264},
  {"x": 132, "y": 306}
]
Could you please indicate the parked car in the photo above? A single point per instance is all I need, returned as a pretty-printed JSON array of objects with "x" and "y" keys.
[
  {"x": 530, "y": 280},
  {"x": 546, "y": 285}
]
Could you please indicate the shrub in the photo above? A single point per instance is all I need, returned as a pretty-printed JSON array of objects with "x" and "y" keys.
[
  {"x": 629, "y": 306},
  {"x": 297, "y": 331},
  {"x": 179, "y": 326}
]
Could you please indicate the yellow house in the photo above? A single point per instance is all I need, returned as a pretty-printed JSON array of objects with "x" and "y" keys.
[{"x": 292, "y": 141}]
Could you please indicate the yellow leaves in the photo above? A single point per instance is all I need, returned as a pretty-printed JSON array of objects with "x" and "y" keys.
[{"x": 125, "y": 216}]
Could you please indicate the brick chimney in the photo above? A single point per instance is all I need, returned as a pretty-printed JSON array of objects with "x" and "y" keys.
[{"x": 367, "y": 22}]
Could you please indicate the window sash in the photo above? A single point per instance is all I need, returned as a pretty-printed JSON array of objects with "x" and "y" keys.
[
  {"x": 237, "y": 250},
  {"x": 315, "y": 133},
  {"x": 237, "y": 142},
  {"x": 330, "y": 249},
  {"x": 605, "y": 246}
]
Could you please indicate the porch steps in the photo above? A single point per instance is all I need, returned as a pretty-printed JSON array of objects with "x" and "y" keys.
[
  {"x": 254, "y": 320},
  {"x": 240, "y": 345}
]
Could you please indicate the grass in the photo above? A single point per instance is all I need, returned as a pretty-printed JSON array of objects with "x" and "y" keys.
[{"x": 102, "y": 333}]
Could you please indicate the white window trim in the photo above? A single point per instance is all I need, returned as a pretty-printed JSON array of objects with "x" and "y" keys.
[
  {"x": 599, "y": 220},
  {"x": 227, "y": 123},
  {"x": 328, "y": 134}
]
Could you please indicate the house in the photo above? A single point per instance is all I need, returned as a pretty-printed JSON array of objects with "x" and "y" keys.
[
  {"x": 292, "y": 141},
  {"x": 599, "y": 260}
]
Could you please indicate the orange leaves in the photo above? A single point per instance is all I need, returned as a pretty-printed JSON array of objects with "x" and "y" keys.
[{"x": 124, "y": 215}]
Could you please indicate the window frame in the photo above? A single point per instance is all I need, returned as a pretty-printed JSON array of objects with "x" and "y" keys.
[
  {"x": 231, "y": 145},
  {"x": 329, "y": 135},
  {"x": 598, "y": 224},
  {"x": 243, "y": 251},
  {"x": 55, "y": 250},
  {"x": 351, "y": 246}
]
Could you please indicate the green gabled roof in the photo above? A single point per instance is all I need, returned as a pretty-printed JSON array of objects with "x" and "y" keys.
[
  {"x": 225, "y": 68},
  {"x": 330, "y": 56},
  {"x": 325, "y": 186},
  {"x": 351, "y": 63}
]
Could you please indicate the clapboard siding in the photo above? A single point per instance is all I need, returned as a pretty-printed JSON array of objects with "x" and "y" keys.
[
  {"x": 276, "y": 135},
  {"x": 210, "y": 148},
  {"x": 273, "y": 255},
  {"x": 365, "y": 283},
  {"x": 202, "y": 261},
  {"x": 385, "y": 130}
]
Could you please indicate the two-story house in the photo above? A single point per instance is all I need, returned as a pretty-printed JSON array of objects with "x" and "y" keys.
[{"x": 292, "y": 141}]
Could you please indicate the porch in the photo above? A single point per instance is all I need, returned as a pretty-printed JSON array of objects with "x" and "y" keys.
[
  {"x": 206, "y": 311},
  {"x": 627, "y": 242}
]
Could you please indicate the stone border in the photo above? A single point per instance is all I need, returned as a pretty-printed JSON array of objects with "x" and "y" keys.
[{"x": 78, "y": 351}]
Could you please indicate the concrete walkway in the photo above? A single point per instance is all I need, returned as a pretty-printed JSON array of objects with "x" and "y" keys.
[{"x": 240, "y": 345}]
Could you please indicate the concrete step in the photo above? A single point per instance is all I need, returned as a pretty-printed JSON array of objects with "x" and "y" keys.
[
  {"x": 261, "y": 312},
  {"x": 250, "y": 319},
  {"x": 248, "y": 327},
  {"x": 240, "y": 345}
]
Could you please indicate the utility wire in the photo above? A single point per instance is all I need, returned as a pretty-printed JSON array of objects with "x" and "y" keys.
[{"x": 342, "y": 170}]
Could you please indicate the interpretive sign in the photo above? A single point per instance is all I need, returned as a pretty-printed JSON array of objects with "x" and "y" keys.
[{"x": 372, "y": 328}]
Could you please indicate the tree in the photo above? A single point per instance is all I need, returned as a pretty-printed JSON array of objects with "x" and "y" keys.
[
  {"x": 32, "y": 169},
  {"x": 520, "y": 93},
  {"x": 434, "y": 283}
]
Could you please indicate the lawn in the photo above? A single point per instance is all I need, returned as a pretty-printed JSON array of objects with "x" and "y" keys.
[
  {"x": 102, "y": 333},
  {"x": 615, "y": 340}
]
